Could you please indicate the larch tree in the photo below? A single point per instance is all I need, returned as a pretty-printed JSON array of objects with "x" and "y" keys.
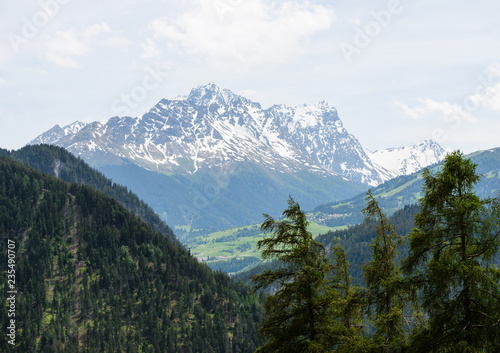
[
  {"x": 451, "y": 261},
  {"x": 298, "y": 315},
  {"x": 385, "y": 296},
  {"x": 347, "y": 306}
]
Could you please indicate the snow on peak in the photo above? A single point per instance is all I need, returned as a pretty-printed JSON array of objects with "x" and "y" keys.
[
  {"x": 210, "y": 93},
  {"x": 214, "y": 128},
  {"x": 57, "y": 133},
  {"x": 307, "y": 115},
  {"x": 73, "y": 128},
  {"x": 409, "y": 159}
]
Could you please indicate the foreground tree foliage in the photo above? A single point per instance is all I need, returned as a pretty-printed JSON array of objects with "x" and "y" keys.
[
  {"x": 385, "y": 298},
  {"x": 299, "y": 316},
  {"x": 347, "y": 305},
  {"x": 439, "y": 294},
  {"x": 451, "y": 261}
]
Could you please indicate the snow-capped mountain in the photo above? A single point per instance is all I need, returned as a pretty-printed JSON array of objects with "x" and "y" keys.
[
  {"x": 215, "y": 129},
  {"x": 57, "y": 133},
  {"x": 215, "y": 160},
  {"x": 410, "y": 159}
]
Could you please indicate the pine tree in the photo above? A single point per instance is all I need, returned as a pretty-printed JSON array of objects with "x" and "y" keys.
[
  {"x": 385, "y": 295},
  {"x": 298, "y": 316},
  {"x": 450, "y": 260}
]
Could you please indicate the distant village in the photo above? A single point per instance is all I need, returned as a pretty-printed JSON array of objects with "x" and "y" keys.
[{"x": 211, "y": 258}]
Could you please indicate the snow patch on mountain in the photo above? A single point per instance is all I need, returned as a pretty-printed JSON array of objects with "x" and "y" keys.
[
  {"x": 213, "y": 128},
  {"x": 410, "y": 159}
]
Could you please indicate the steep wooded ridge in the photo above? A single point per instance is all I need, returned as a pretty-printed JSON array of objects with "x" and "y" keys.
[
  {"x": 58, "y": 162},
  {"x": 91, "y": 276},
  {"x": 204, "y": 162}
]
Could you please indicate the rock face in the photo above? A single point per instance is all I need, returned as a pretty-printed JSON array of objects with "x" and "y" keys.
[{"x": 213, "y": 128}]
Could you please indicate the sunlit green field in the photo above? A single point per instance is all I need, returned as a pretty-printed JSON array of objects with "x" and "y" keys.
[
  {"x": 235, "y": 249},
  {"x": 236, "y": 242}
]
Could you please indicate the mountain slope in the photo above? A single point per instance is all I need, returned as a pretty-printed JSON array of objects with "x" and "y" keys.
[
  {"x": 91, "y": 276},
  {"x": 406, "y": 190},
  {"x": 207, "y": 202},
  {"x": 60, "y": 163}
]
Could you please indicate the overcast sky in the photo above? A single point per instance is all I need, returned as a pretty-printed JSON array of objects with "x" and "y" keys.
[{"x": 397, "y": 71}]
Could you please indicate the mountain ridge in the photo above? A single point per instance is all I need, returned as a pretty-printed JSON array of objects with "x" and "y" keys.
[
  {"x": 92, "y": 276},
  {"x": 404, "y": 190},
  {"x": 60, "y": 163},
  {"x": 213, "y": 128},
  {"x": 215, "y": 160},
  {"x": 408, "y": 159}
]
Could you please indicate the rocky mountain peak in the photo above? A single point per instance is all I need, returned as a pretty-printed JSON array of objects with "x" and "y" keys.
[
  {"x": 409, "y": 159},
  {"x": 215, "y": 129},
  {"x": 208, "y": 94}
]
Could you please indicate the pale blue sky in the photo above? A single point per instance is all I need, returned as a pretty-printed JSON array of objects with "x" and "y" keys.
[{"x": 397, "y": 71}]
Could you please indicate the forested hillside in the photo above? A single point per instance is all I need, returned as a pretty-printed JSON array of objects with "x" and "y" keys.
[
  {"x": 59, "y": 162},
  {"x": 91, "y": 276}
]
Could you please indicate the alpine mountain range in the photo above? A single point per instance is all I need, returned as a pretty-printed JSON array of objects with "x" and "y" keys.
[{"x": 214, "y": 151}]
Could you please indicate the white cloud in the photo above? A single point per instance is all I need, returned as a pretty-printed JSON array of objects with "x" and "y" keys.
[
  {"x": 355, "y": 21},
  {"x": 118, "y": 42},
  {"x": 494, "y": 70},
  {"x": 62, "y": 49},
  {"x": 162, "y": 29},
  {"x": 251, "y": 31},
  {"x": 487, "y": 94},
  {"x": 490, "y": 98},
  {"x": 416, "y": 113},
  {"x": 96, "y": 29},
  {"x": 248, "y": 93},
  {"x": 150, "y": 50},
  {"x": 446, "y": 111}
]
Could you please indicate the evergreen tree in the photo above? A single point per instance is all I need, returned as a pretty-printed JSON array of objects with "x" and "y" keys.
[
  {"x": 385, "y": 296},
  {"x": 451, "y": 255},
  {"x": 298, "y": 316},
  {"x": 347, "y": 306}
]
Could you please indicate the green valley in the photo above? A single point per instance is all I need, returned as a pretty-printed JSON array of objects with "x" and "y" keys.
[{"x": 234, "y": 250}]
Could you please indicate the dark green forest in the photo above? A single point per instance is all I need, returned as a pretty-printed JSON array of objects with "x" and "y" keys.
[
  {"x": 60, "y": 163},
  {"x": 93, "y": 277}
]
